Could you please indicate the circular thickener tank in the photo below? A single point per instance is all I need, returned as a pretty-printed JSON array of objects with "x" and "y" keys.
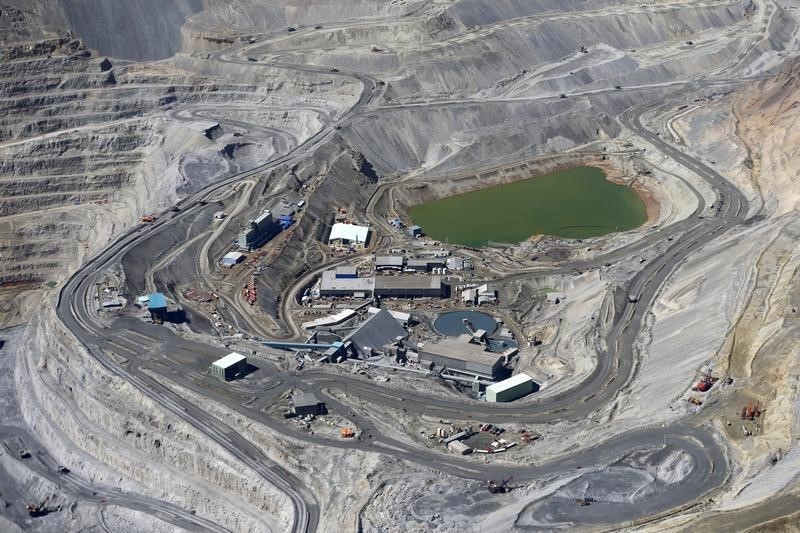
[{"x": 452, "y": 323}]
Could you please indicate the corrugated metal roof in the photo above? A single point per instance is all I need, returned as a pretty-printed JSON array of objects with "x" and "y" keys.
[
  {"x": 349, "y": 232},
  {"x": 460, "y": 348},
  {"x": 234, "y": 256},
  {"x": 229, "y": 360},
  {"x": 513, "y": 381},
  {"x": 157, "y": 301},
  {"x": 305, "y": 399},
  {"x": 408, "y": 282},
  {"x": 346, "y": 271},
  {"x": 263, "y": 217},
  {"x": 331, "y": 283},
  {"x": 389, "y": 260},
  {"x": 379, "y": 329}
]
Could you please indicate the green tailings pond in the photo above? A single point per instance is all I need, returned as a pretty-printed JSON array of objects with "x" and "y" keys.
[{"x": 574, "y": 204}]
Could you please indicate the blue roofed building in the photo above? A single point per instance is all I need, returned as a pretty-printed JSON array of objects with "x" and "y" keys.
[{"x": 157, "y": 305}]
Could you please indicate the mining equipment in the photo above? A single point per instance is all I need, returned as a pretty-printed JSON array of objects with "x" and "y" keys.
[
  {"x": 706, "y": 383},
  {"x": 249, "y": 291},
  {"x": 38, "y": 510},
  {"x": 499, "y": 488},
  {"x": 347, "y": 433},
  {"x": 148, "y": 219},
  {"x": 583, "y": 502},
  {"x": 694, "y": 400},
  {"x": 751, "y": 411},
  {"x": 22, "y": 452}
]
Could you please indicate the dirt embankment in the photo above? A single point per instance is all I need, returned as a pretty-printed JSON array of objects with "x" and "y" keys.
[
  {"x": 649, "y": 198},
  {"x": 767, "y": 113}
]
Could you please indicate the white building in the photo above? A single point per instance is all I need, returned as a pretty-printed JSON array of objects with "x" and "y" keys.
[
  {"x": 348, "y": 235},
  {"x": 510, "y": 389},
  {"x": 455, "y": 263},
  {"x": 233, "y": 258},
  {"x": 485, "y": 294},
  {"x": 229, "y": 366}
]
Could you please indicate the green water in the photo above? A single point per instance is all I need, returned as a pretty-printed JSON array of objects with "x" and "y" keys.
[{"x": 575, "y": 203}]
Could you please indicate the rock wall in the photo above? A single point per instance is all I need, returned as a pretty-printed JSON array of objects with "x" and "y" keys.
[
  {"x": 75, "y": 405},
  {"x": 134, "y": 29}
]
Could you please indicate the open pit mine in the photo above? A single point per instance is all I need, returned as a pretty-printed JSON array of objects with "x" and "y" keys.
[{"x": 399, "y": 265}]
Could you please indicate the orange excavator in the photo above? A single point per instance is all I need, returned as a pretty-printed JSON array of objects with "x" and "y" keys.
[{"x": 705, "y": 383}]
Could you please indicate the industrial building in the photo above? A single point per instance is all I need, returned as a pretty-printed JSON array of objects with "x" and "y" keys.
[
  {"x": 424, "y": 265},
  {"x": 456, "y": 263},
  {"x": 408, "y": 287},
  {"x": 346, "y": 272},
  {"x": 349, "y": 235},
  {"x": 343, "y": 282},
  {"x": 461, "y": 354},
  {"x": 332, "y": 320},
  {"x": 459, "y": 447},
  {"x": 377, "y": 331},
  {"x": 229, "y": 366},
  {"x": 157, "y": 305},
  {"x": 232, "y": 258},
  {"x": 332, "y": 285},
  {"x": 258, "y": 232},
  {"x": 510, "y": 389},
  {"x": 389, "y": 262},
  {"x": 484, "y": 294},
  {"x": 305, "y": 403},
  {"x": 414, "y": 231}
]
